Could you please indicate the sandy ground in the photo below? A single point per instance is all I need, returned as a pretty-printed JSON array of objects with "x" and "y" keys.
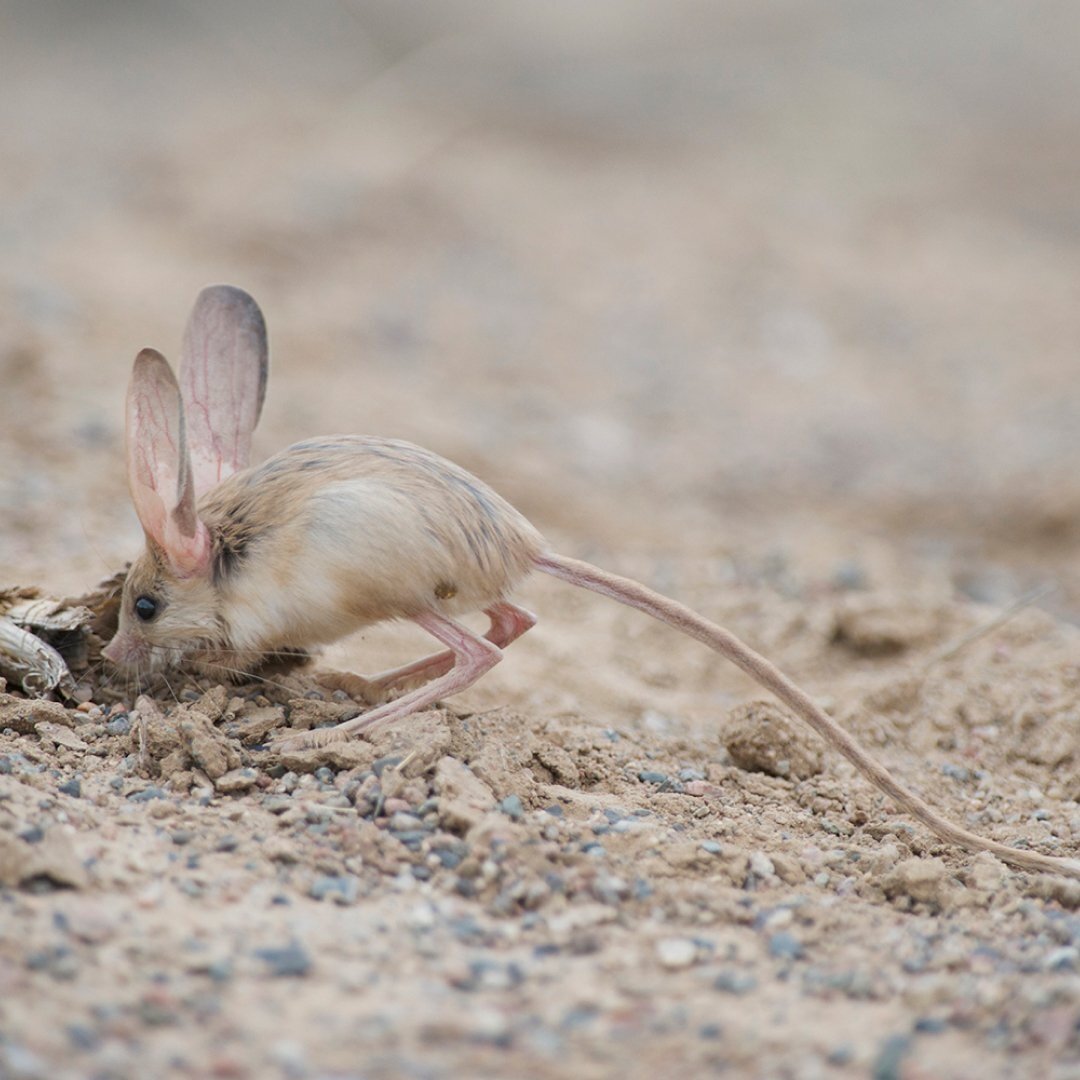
[{"x": 773, "y": 308}]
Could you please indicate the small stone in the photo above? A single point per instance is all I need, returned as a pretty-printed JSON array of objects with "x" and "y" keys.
[
  {"x": 890, "y": 1056},
  {"x": 924, "y": 880},
  {"x": 930, "y": 1025},
  {"x": 1067, "y": 958},
  {"x": 649, "y": 776},
  {"x": 293, "y": 960},
  {"x": 51, "y": 860},
  {"x": 341, "y": 889},
  {"x": 72, "y": 787},
  {"x": 761, "y": 865},
  {"x": 236, "y": 780},
  {"x": 735, "y": 982},
  {"x": 147, "y": 794},
  {"x": 676, "y": 953},
  {"x": 180, "y": 837},
  {"x": 119, "y": 725},
  {"x": 785, "y": 946},
  {"x": 454, "y": 780},
  {"x": 512, "y": 808},
  {"x": 404, "y": 822},
  {"x": 956, "y": 772}
]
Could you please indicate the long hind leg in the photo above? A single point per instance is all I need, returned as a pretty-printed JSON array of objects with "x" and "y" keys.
[
  {"x": 471, "y": 656},
  {"x": 508, "y": 623}
]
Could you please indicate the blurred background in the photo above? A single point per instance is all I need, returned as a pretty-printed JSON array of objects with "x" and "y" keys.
[{"x": 788, "y": 290}]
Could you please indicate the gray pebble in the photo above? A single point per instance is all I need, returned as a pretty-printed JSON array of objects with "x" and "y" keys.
[
  {"x": 119, "y": 725},
  {"x": 735, "y": 982},
  {"x": 892, "y": 1053},
  {"x": 956, "y": 772},
  {"x": 72, "y": 787},
  {"x": 849, "y": 574},
  {"x": 512, "y": 808},
  {"x": 843, "y": 1054},
  {"x": 291, "y": 960},
  {"x": 147, "y": 794},
  {"x": 342, "y": 888},
  {"x": 82, "y": 1037},
  {"x": 1067, "y": 958},
  {"x": 449, "y": 858},
  {"x": 785, "y": 946},
  {"x": 180, "y": 837},
  {"x": 413, "y": 838},
  {"x": 647, "y": 776},
  {"x": 404, "y": 822},
  {"x": 930, "y": 1025}
]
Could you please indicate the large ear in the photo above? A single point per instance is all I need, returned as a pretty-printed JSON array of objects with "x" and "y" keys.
[
  {"x": 159, "y": 470},
  {"x": 223, "y": 370}
]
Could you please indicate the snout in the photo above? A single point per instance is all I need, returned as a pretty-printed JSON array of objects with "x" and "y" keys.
[{"x": 122, "y": 651}]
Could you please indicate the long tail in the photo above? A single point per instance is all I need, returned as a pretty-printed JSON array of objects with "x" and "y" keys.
[{"x": 633, "y": 594}]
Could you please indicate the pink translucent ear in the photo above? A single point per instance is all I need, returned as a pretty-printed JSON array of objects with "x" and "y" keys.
[
  {"x": 159, "y": 471},
  {"x": 223, "y": 370}
]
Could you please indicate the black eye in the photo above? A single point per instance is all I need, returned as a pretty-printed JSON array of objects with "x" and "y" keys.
[{"x": 146, "y": 607}]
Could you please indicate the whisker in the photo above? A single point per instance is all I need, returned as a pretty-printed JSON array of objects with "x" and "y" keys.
[{"x": 246, "y": 675}]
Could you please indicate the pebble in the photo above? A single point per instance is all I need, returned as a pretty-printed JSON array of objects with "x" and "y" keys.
[
  {"x": 404, "y": 822},
  {"x": 449, "y": 858},
  {"x": 236, "y": 780},
  {"x": 1067, "y": 958},
  {"x": 342, "y": 888},
  {"x": 292, "y": 960},
  {"x": 22, "y": 1064},
  {"x": 147, "y": 794},
  {"x": 890, "y": 1056},
  {"x": 648, "y": 776},
  {"x": 735, "y": 982},
  {"x": 956, "y": 772},
  {"x": 72, "y": 787},
  {"x": 930, "y": 1025},
  {"x": 82, "y": 1037},
  {"x": 511, "y": 806},
  {"x": 785, "y": 946},
  {"x": 761, "y": 865},
  {"x": 676, "y": 953},
  {"x": 119, "y": 725}
]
